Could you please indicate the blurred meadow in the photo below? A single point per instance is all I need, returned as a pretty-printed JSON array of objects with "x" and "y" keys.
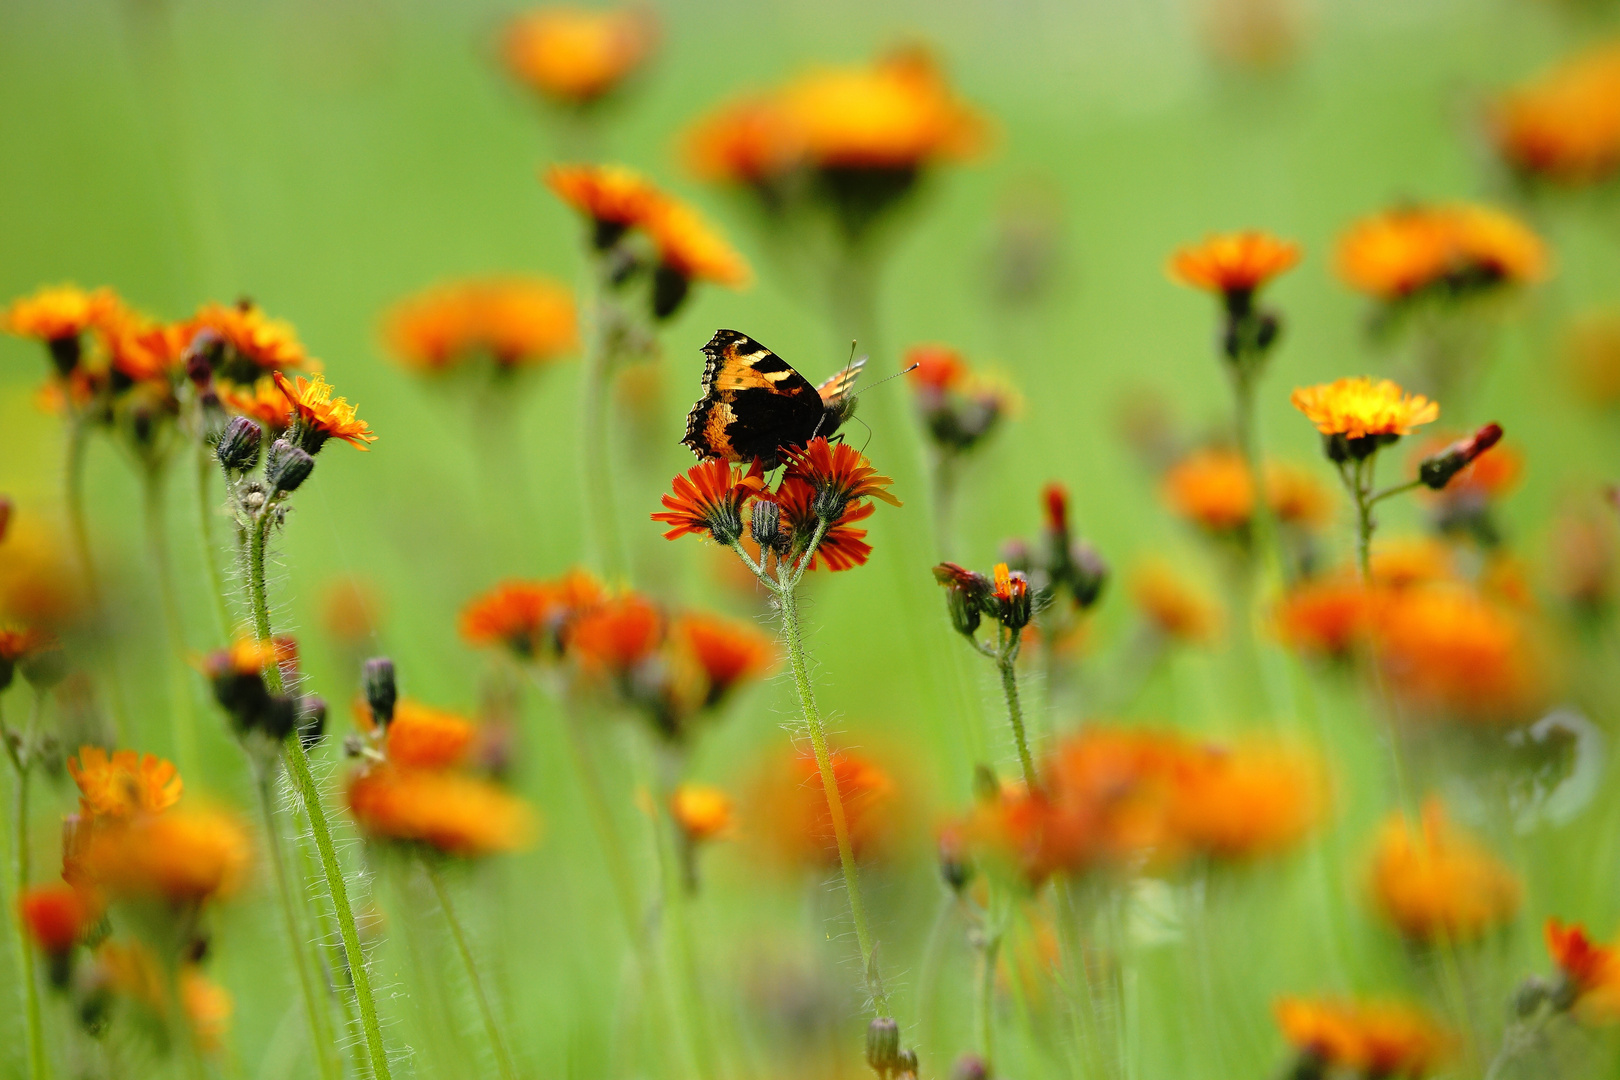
[{"x": 329, "y": 158}]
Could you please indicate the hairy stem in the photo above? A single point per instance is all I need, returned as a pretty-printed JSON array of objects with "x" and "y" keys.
[
  {"x": 596, "y": 466},
  {"x": 1006, "y": 662},
  {"x": 984, "y": 996},
  {"x": 157, "y": 542},
  {"x": 503, "y": 1060},
  {"x": 309, "y": 792},
  {"x": 206, "y": 465}
]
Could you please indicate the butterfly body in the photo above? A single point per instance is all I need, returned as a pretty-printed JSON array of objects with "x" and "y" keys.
[{"x": 754, "y": 405}]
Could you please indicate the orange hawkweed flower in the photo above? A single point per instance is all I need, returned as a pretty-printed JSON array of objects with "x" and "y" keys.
[
  {"x": 528, "y": 617},
  {"x": 1564, "y": 126},
  {"x": 727, "y": 651},
  {"x": 263, "y": 401},
  {"x": 1437, "y": 883},
  {"x": 455, "y": 814},
  {"x": 124, "y": 784},
  {"x": 1212, "y": 489},
  {"x": 1233, "y": 264},
  {"x": 184, "y": 856},
  {"x": 703, "y": 812},
  {"x": 1449, "y": 652},
  {"x": 1590, "y": 972},
  {"x": 839, "y": 473},
  {"x": 516, "y": 322},
  {"x": 802, "y": 820},
  {"x": 140, "y": 349},
  {"x": 320, "y": 417},
  {"x": 1328, "y": 617},
  {"x": 1398, "y": 253},
  {"x": 1375, "y": 1039},
  {"x": 258, "y": 343},
  {"x": 842, "y": 547},
  {"x": 617, "y": 634},
  {"x": 59, "y": 312},
  {"x": 208, "y": 1007},
  {"x": 709, "y": 499},
  {"x": 420, "y": 737},
  {"x": 936, "y": 368},
  {"x": 574, "y": 56},
  {"x": 1246, "y": 801},
  {"x": 1296, "y": 496},
  {"x": 689, "y": 246},
  {"x": 1361, "y": 407},
  {"x": 1171, "y": 605},
  {"x": 607, "y": 194},
  {"x": 751, "y": 140},
  {"x": 56, "y": 916}
]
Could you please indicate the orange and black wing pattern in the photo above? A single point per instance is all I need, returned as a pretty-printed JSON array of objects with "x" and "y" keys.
[{"x": 753, "y": 403}]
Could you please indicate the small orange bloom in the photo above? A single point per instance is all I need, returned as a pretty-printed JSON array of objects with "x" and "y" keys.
[
  {"x": 1211, "y": 488},
  {"x": 1234, "y": 263},
  {"x": 1438, "y": 883},
  {"x": 703, "y": 812},
  {"x": 529, "y": 617},
  {"x": 260, "y": 343},
  {"x": 802, "y": 820},
  {"x": 1565, "y": 125},
  {"x": 263, "y": 401},
  {"x": 208, "y": 1007},
  {"x": 58, "y": 312},
  {"x": 1172, "y": 605},
  {"x": 184, "y": 856},
  {"x": 458, "y": 815},
  {"x": 320, "y": 417},
  {"x": 56, "y": 916},
  {"x": 691, "y": 247},
  {"x": 515, "y": 322},
  {"x": 751, "y": 140},
  {"x": 1296, "y": 496},
  {"x": 843, "y": 547},
  {"x": 709, "y": 499},
  {"x": 938, "y": 368},
  {"x": 1247, "y": 801},
  {"x": 140, "y": 349},
  {"x": 1400, "y": 252},
  {"x": 575, "y": 56},
  {"x": 616, "y": 635},
  {"x": 608, "y": 194},
  {"x": 125, "y": 784},
  {"x": 420, "y": 737},
  {"x": 1449, "y": 652},
  {"x": 1328, "y": 617},
  {"x": 1360, "y": 407},
  {"x": 727, "y": 651},
  {"x": 1375, "y": 1039}
]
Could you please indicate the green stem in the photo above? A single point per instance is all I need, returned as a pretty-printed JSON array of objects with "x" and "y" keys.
[
  {"x": 157, "y": 542},
  {"x": 206, "y": 464},
  {"x": 502, "y": 1060},
  {"x": 320, "y": 1033},
  {"x": 984, "y": 1004},
  {"x": 596, "y": 467},
  {"x": 1006, "y": 661},
  {"x": 78, "y": 437},
  {"x": 309, "y": 793},
  {"x": 38, "y": 1063},
  {"x": 829, "y": 782}
]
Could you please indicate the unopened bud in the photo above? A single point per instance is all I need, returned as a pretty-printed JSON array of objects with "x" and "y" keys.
[
  {"x": 966, "y": 595},
  {"x": 883, "y": 1045},
  {"x": 765, "y": 525},
  {"x": 970, "y": 1067},
  {"x": 281, "y": 716},
  {"x": 65, "y": 353},
  {"x": 238, "y": 449},
  {"x": 669, "y": 290},
  {"x": 1088, "y": 574},
  {"x": 312, "y": 721},
  {"x": 1056, "y": 498},
  {"x": 44, "y": 666},
  {"x": 1437, "y": 470},
  {"x": 202, "y": 356},
  {"x": 906, "y": 1064},
  {"x": 286, "y": 466},
  {"x": 1529, "y": 995},
  {"x": 381, "y": 690}
]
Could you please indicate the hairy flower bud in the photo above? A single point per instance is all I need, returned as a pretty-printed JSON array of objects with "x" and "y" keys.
[
  {"x": 238, "y": 449},
  {"x": 883, "y": 1045},
  {"x": 906, "y": 1063},
  {"x": 382, "y": 692},
  {"x": 1088, "y": 574},
  {"x": 765, "y": 525},
  {"x": 286, "y": 466},
  {"x": 966, "y": 596},
  {"x": 203, "y": 356},
  {"x": 1437, "y": 470}
]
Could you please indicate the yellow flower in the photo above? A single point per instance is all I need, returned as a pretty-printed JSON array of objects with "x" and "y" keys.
[
  {"x": 1359, "y": 407},
  {"x": 320, "y": 417},
  {"x": 124, "y": 784},
  {"x": 575, "y": 56},
  {"x": 1436, "y": 883}
]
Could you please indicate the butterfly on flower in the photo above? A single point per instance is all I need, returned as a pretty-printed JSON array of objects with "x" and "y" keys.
[{"x": 754, "y": 405}]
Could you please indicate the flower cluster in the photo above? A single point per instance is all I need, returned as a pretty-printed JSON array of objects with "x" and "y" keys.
[
  {"x": 237, "y": 677},
  {"x": 1059, "y": 564},
  {"x": 1210, "y": 487},
  {"x": 1564, "y": 126},
  {"x": 1446, "y": 252},
  {"x": 1371, "y": 1040}
]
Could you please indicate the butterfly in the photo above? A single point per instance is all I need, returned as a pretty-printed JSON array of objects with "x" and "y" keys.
[{"x": 754, "y": 404}]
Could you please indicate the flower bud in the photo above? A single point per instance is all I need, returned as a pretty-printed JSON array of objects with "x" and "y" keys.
[
  {"x": 906, "y": 1063},
  {"x": 377, "y": 682},
  {"x": 65, "y": 353},
  {"x": 202, "y": 356},
  {"x": 966, "y": 594},
  {"x": 1529, "y": 996},
  {"x": 286, "y": 466},
  {"x": 1437, "y": 470},
  {"x": 765, "y": 525},
  {"x": 44, "y": 666},
  {"x": 238, "y": 448},
  {"x": 883, "y": 1045},
  {"x": 970, "y": 1067},
  {"x": 1088, "y": 573},
  {"x": 280, "y": 716},
  {"x": 669, "y": 290},
  {"x": 311, "y": 721}
]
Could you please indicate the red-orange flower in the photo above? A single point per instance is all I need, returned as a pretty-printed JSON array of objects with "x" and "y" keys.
[
  {"x": 1379, "y": 1040},
  {"x": 263, "y": 401},
  {"x": 616, "y": 635},
  {"x": 260, "y": 343},
  {"x": 456, "y": 814},
  {"x": 420, "y": 737},
  {"x": 1450, "y": 652},
  {"x": 575, "y": 56},
  {"x": 183, "y": 856},
  {"x": 1437, "y": 883},
  {"x": 709, "y": 499},
  {"x": 1234, "y": 264},
  {"x": 1244, "y": 801},
  {"x": 1327, "y": 617},
  {"x": 1590, "y": 972},
  {"x": 937, "y": 368},
  {"x": 839, "y": 473},
  {"x": 141, "y": 349},
  {"x": 515, "y": 322},
  {"x": 123, "y": 785},
  {"x": 1565, "y": 125},
  {"x": 842, "y": 547},
  {"x": 608, "y": 194},
  {"x": 801, "y": 820},
  {"x": 528, "y": 617},
  {"x": 59, "y": 312},
  {"x": 320, "y": 417},
  {"x": 690, "y": 246},
  {"x": 1400, "y": 252},
  {"x": 727, "y": 651},
  {"x": 1211, "y": 488},
  {"x": 56, "y": 916}
]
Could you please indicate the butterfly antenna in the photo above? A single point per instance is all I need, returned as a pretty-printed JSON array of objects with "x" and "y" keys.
[
  {"x": 886, "y": 378},
  {"x": 868, "y": 428}
]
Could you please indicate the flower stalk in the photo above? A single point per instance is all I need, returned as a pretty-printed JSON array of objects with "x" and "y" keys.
[
  {"x": 19, "y": 750},
  {"x": 492, "y": 1028}
]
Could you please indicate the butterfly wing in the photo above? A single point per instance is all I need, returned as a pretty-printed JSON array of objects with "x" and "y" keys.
[
  {"x": 836, "y": 389},
  {"x": 753, "y": 402}
]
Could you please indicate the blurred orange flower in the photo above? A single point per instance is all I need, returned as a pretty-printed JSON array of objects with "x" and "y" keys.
[
  {"x": 617, "y": 634},
  {"x": 727, "y": 651},
  {"x": 1564, "y": 126},
  {"x": 795, "y": 813},
  {"x": 1211, "y": 488},
  {"x": 58, "y": 312},
  {"x": 607, "y": 194},
  {"x": 690, "y": 246},
  {"x": 56, "y": 915},
  {"x": 703, "y": 812},
  {"x": 1171, "y": 604},
  {"x": 260, "y": 343},
  {"x": 1245, "y": 801},
  {"x": 1436, "y": 883},
  {"x": 183, "y": 856},
  {"x": 1591, "y": 972},
  {"x": 456, "y": 814},
  {"x": 208, "y": 1007},
  {"x": 1234, "y": 263},
  {"x": 1367, "y": 1038},
  {"x": 262, "y": 401},
  {"x": 575, "y": 56},
  {"x": 515, "y": 322},
  {"x": 1592, "y": 352},
  {"x": 1397, "y": 253},
  {"x": 529, "y": 617},
  {"x": 1328, "y": 617},
  {"x": 1361, "y": 407},
  {"x": 1449, "y": 652},
  {"x": 420, "y": 737},
  {"x": 1296, "y": 496},
  {"x": 124, "y": 784}
]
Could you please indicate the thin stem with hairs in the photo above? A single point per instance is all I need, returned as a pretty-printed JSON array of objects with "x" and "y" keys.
[{"x": 503, "y": 1060}]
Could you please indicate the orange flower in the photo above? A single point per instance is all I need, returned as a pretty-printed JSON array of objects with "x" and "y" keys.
[
  {"x": 1171, "y": 604},
  {"x": 140, "y": 349},
  {"x": 263, "y": 401},
  {"x": 1211, "y": 488},
  {"x": 575, "y": 56},
  {"x": 208, "y": 1007},
  {"x": 258, "y": 343},
  {"x": 1296, "y": 496},
  {"x": 1376, "y": 1039},
  {"x": 1361, "y": 407},
  {"x": 1327, "y": 617},
  {"x": 936, "y": 368},
  {"x": 727, "y": 651},
  {"x": 458, "y": 815},
  {"x": 528, "y": 617},
  {"x": 839, "y": 473},
  {"x": 1449, "y": 652},
  {"x": 709, "y": 499},
  {"x": 703, "y": 812},
  {"x": 184, "y": 857},
  {"x": 320, "y": 417},
  {"x": 1438, "y": 883},
  {"x": 56, "y": 916},
  {"x": 607, "y": 194},
  {"x": 513, "y": 321},
  {"x": 751, "y": 140},
  {"x": 802, "y": 820},
  {"x": 1399, "y": 252},
  {"x": 123, "y": 785},
  {"x": 420, "y": 737},
  {"x": 842, "y": 547},
  {"x": 1234, "y": 264},
  {"x": 691, "y": 247},
  {"x": 616, "y": 635},
  {"x": 59, "y": 312},
  {"x": 1565, "y": 125},
  {"x": 1246, "y": 801}
]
